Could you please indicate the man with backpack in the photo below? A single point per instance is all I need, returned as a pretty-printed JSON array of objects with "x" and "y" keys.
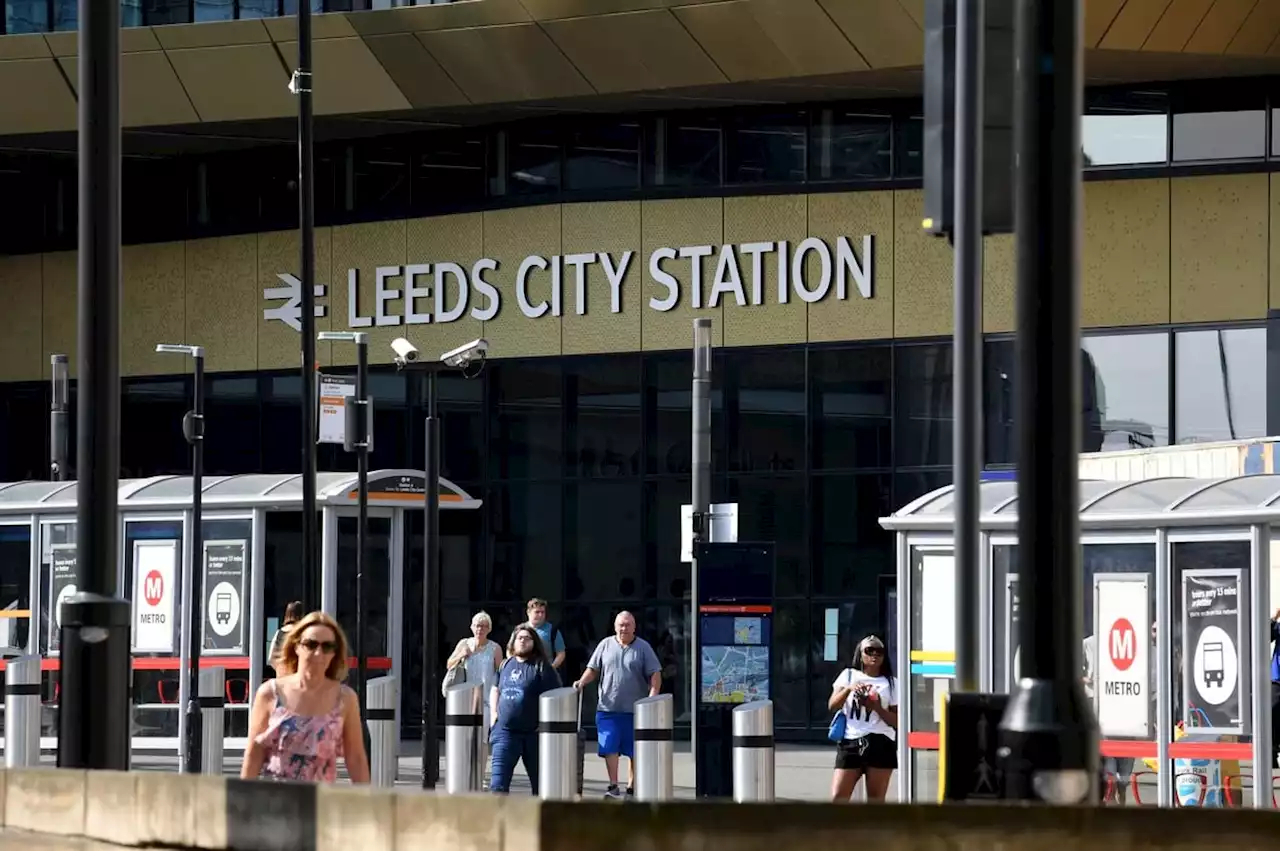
[{"x": 552, "y": 639}]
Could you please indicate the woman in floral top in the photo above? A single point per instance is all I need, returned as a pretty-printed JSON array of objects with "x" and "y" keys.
[{"x": 304, "y": 720}]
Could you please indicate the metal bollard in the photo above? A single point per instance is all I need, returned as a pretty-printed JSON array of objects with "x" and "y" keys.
[
  {"x": 558, "y": 744},
  {"x": 384, "y": 733},
  {"x": 655, "y": 749},
  {"x": 213, "y": 701},
  {"x": 753, "y": 752},
  {"x": 463, "y": 718},
  {"x": 22, "y": 712}
]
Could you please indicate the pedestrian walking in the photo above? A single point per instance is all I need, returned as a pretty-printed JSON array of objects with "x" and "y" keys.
[
  {"x": 553, "y": 640},
  {"x": 865, "y": 700},
  {"x": 524, "y": 677},
  {"x": 628, "y": 670},
  {"x": 304, "y": 720},
  {"x": 292, "y": 614}
]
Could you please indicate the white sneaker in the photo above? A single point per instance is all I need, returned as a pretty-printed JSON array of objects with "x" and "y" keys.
[{"x": 613, "y": 793}]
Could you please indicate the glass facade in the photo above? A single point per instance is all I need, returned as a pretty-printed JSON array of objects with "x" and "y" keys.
[{"x": 583, "y": 464}]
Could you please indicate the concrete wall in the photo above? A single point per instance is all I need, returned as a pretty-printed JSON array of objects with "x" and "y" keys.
[{"x": 65, "y": 810}]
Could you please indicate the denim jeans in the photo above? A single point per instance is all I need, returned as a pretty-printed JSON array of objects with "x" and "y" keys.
[{"x": 508, "y": 748}]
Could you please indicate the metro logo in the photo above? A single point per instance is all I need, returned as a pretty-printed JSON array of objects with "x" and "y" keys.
[
  {"x": 153, "y": 588},
  {"x": 1122, "y": 644}
]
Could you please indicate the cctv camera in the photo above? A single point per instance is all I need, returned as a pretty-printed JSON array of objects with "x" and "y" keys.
[
  {"x": 463, "y": 355},
  {"x": 406, "y": 352}
]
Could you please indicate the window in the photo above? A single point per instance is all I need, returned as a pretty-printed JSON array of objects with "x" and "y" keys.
[
  {"x": 602, "y": 404},
  {"x": 525, "y": 530},
  {"x": 999, "y": 405},
  {"x": 450, "y": 169},
  {"x": 527, "y": 434},
  {"x": 533, "y": 159},
  {"x": 65, "y": 14},
  {"x": 161, "y": 12},
  {"x": 232, "y": 425},
  {"x": 380, "y": 176},
  {"x": 767, "y": 148},
  {"x": 908, "y": 147},
  {"x": 668, "y": 403},
  {"x": 260, "y": 8},
  {"x": 1125, "y": 391},
  {"x": 923, "y": 408},
  {"x": 603, "y": 156},
  {"x": 666, "y": 576},
  {"x": 153, "y": 200},
  {"x": 851, "y": 405},
  {"x": 685, "y": 152},
  {"x": 852, "y": 551},
  {"x": 214, "y": 10},
  {"x": 462, "y": 431},
  {"x": 766, "y": 410},
  {"x": 773, "y": 508},
  {"x": 604, "y": 557},
  {"x": 851, "y": 146},
  {"x": 21, "y": 225},
  {"x": 277, "y": 188},
  {"x": 26, "y": 16},
  {"x": 1219, "y": 378},
  {"x": 224, "y": 197},
  {"x": 151, "y": 439},
  {"x": 1221, "y": 123},
  {"x": 1125, "y": 128}
]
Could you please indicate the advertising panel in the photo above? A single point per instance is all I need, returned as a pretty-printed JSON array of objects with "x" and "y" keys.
[
  {"x": 1214, "y": 686},
  {"x": 224, "y": 583},
  {"x": 1119, "y": 658},
  {"x": 154, "y": 569},
  {"x": 62, "y": 584}
]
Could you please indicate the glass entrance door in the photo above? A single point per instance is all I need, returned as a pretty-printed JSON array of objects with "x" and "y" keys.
[{"x": 379, "y": 646}]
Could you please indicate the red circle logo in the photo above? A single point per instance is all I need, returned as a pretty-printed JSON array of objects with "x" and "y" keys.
[
  {"x": 153, "y": 588},
  {"x": 1122, "y": 644}
]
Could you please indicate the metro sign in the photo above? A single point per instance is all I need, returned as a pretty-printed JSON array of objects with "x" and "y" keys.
[
  {"x": 1122, "y": 644},
  {"x": 153, "y": 588}
]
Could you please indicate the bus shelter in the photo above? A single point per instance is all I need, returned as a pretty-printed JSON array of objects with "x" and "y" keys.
[
  {"x": 252, "y": 563},
  {"x": 1184, "y": 711}
]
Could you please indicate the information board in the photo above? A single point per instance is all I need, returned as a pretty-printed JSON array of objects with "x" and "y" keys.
[
  {"x": 735, "y": 653},
  {"x": 224, "y": 583},
  {"x": 62, "y": 585},
  {"x": 1214, "y": 640}
]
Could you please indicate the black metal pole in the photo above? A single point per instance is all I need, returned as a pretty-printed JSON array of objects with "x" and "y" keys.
[
  {"x": 58, "y": 414},
  {"x": 362, "y": 538},
  {"x": 1049, "y": 734},
  {"x": 306, "y": 220},
  {"x": 93, "y": 725},
  {"x": 431, "y": 591},
  {"x": 195, "y": 434}
]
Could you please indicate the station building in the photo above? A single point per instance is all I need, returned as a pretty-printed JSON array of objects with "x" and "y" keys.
[{"x": 576, "y": 181}]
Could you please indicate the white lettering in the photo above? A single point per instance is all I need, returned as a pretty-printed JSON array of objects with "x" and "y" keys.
[
  {"x": 847, "y": 264},
  {"x": 382, "y": 295},
  {"x": 153, "y": 588},
  {"x": 728, "y": 279},
  {"x": 695, "y": 253},
  {"x": 557, "y": 283},
  {"x": 412, "y": 293},
  {"x": 486, "y": 289},
  {"x": 784, "y": 291},
  {"x": 354, "y": 319},
  {"x": 798, "y": 275},
  {"x": 756, "y": 251},
  {"x": 615, "y": 276},
  {"x": 1122, "y": 644},
  {"x": 522, "y": 296},
  {"x": 665, "y": 278},
  {"x": 578, "y": 262},
  {"x": 451, "y": 314}
]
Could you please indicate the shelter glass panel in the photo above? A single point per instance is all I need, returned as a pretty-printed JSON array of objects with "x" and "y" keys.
[
  {"x": 15, "y": 588},
  {"x": 377, "y": 585},
  {"x": 154, "y": 556}
]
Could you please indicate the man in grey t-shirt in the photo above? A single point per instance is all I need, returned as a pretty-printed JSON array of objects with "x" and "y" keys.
[{"x": 628, "y": 670}]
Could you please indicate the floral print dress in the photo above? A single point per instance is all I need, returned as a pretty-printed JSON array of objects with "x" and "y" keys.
[{"x": 302, "y": 748}]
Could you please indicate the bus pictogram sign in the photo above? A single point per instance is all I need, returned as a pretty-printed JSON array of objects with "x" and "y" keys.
[{"x": 1122, "y": 644}]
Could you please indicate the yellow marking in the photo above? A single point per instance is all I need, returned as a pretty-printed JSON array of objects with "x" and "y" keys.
[
  {"x": 942, "y": 748},
  {"x": 933, "y": 655},
  {"x": 15, "y": 613},
  {"x": 927, "y": 224}
]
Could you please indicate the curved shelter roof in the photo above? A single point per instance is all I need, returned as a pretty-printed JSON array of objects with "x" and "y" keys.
[
  {"x": 251, "y": 490},
  {"x": 1148, "y": 503}
]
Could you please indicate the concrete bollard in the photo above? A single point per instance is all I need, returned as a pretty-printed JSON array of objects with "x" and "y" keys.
[
  {"x": 22, "y": 712},
  {"x": 213, "y": 728},
  {"x": 753, "y": 754},
  {"x": 384, "y": 732},
  {"x": 655, "y": 748},
  {"x": 463, "y": 719},
  {"x": 558, "y": 744}
]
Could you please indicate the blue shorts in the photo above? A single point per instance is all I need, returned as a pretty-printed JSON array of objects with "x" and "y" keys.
[{"x": 615, "y": 734}]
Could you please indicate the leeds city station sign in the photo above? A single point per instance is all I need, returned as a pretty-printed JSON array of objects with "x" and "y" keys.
[{"x": 446, "y": 291}]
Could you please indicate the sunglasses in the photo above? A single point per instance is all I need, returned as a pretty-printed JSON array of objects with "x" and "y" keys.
[
  {"x": 873, "y": 651},
  {"x": 313, "y": 645}
]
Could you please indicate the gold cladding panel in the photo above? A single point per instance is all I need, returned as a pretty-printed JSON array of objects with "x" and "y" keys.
[
  {"x": 611, "y": 228},
  {"x": 675, "y": 224},
  {"x": 766, "y": 219},
  {"x": 21, "y": 350},
  {"x": 1219, "y": 248},
  {"x": 211, "y": 34},
  {"x": 1220, "y": 25},
  {"x": 153, "y": 307},
  {"x": 238, "y": 82},
  {"x": 509, "y": 237},
  {"x": 278, "y": 253},
  {"x": 922, "y": 272},
  {"x": 1275, "y": 242},
  {"x": 454, "y": 239},
  {"x": 998, "y": 276},
  {"x": 505, "y": 63},
  {"x": 1177, "y": 25},
  {"x": 1124, "y": 277},
  {"x": 31, "y": 46},
  {"x": 1258, "y": 32},
  {"x": 58, "y": 313},
  {"x": 634, "y": 51},
  {"x": 853, "y": 215},
  {"x": 1098, "y": 15},
  {"x": 415, "y": 72},
  {"x": 882, "y": 31},
  {"x": 224, "y": 302},
  {"x": 365, "y": 247},
  {"x": 546, "y": 10},
  {"x": 349, "y": 78},
  {"x": 34, "y": 97},
  {"x": 1133, "y": 24},
  {"x": 150, "y": 93}
]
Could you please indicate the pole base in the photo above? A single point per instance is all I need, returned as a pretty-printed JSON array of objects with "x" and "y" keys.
[
  {"x": 95, "y": 672},
  {"x": 1049, "y": 744}
]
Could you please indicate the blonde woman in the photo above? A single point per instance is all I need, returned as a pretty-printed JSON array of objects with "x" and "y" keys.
[
  {"x": 481, "y": 657},
  {"x": 305, "y": 719}
]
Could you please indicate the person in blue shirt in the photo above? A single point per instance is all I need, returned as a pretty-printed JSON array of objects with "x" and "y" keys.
[
  {"x": 513, "y": 700},
  {"x": 553, "y": 640}
]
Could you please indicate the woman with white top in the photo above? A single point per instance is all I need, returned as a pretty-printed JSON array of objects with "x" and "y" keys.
[
  {"x": 867, "y": 695},
  {"x": 481, "y": 657}
]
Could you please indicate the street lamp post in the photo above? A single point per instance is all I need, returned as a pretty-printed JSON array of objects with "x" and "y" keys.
[
  {"x": 356, "y": 437},
  {"x": 193, "y": 431},
  {"x": 58, "y": 418},
  {"x": 408, "y": 358}
]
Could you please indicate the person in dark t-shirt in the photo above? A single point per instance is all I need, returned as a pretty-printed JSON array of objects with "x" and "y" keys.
[{"x": 524, "y": 677}]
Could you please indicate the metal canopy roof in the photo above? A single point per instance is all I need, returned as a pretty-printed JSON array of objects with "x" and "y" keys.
[
  {"x": 1149, "y": 503},
  {"x": 277, "y": 490}
]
